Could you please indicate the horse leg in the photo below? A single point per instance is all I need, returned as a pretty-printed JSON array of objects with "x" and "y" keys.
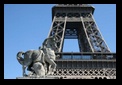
[
  {"x": 52, "y": 64},
  {"x": 46, "y": 67},
  {"x": 24, "y": 73}
]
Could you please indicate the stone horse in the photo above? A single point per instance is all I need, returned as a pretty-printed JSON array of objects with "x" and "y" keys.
[
  {"x": 40, "y": 62},
  {"x": 34, "y": 60}
]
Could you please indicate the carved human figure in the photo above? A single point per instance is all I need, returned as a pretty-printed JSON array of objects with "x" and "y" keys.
[{"x": 49, "y": 45}]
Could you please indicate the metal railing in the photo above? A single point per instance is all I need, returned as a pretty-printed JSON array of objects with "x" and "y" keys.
[{"x": 85, "y": 56}]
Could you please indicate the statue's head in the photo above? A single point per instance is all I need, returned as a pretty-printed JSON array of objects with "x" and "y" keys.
[{"x": 54, "y": 38}]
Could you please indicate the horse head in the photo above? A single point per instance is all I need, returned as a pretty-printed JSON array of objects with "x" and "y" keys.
[{"x": 19, "y": 57}]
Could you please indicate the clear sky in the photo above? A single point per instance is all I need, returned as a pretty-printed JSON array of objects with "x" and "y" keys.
[{"x": 27, "y": 25}]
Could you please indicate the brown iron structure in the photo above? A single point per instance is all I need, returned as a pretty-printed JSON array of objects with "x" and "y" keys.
[{"x": 94, "y": 59}]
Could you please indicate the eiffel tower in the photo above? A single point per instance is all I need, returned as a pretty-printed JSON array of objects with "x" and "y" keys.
[{"x": 94, "y": 59}]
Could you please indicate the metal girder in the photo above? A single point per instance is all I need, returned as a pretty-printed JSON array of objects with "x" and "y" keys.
[
  {"x": 71, "y": 25},
  {"x": 94, "y": 61}
]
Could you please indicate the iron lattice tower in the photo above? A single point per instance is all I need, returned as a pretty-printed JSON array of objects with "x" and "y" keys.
[{"x": 76, "y": 21}]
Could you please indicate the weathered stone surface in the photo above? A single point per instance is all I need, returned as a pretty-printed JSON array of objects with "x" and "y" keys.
[
  {"x": 39, "y": 62},
  {"x": 37, "y": 78}
]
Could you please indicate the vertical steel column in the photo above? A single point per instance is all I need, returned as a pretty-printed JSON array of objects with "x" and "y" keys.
[
  {"x": 87, "y": 35},
  {"x": 58, "y": 29}
]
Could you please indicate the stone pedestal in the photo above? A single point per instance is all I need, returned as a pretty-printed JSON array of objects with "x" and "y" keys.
[{"x": 50, "y": 77}]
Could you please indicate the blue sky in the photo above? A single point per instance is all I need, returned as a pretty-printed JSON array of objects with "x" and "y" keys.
[{"x": 27, "y": 25}]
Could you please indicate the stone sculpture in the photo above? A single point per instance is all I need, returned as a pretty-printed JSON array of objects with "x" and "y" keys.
[{"x": 41, "y": 62}]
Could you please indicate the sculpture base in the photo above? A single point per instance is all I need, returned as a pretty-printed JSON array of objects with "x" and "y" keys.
[{"x": 50, "y": 77}]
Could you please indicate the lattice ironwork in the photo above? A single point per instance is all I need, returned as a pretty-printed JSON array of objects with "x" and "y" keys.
[
  {"x": 77, "y": 23},
  {"x": 109, "y": 73},
  {"x": 94, "y": 59},
  {"x": 79, "y": 66}
]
